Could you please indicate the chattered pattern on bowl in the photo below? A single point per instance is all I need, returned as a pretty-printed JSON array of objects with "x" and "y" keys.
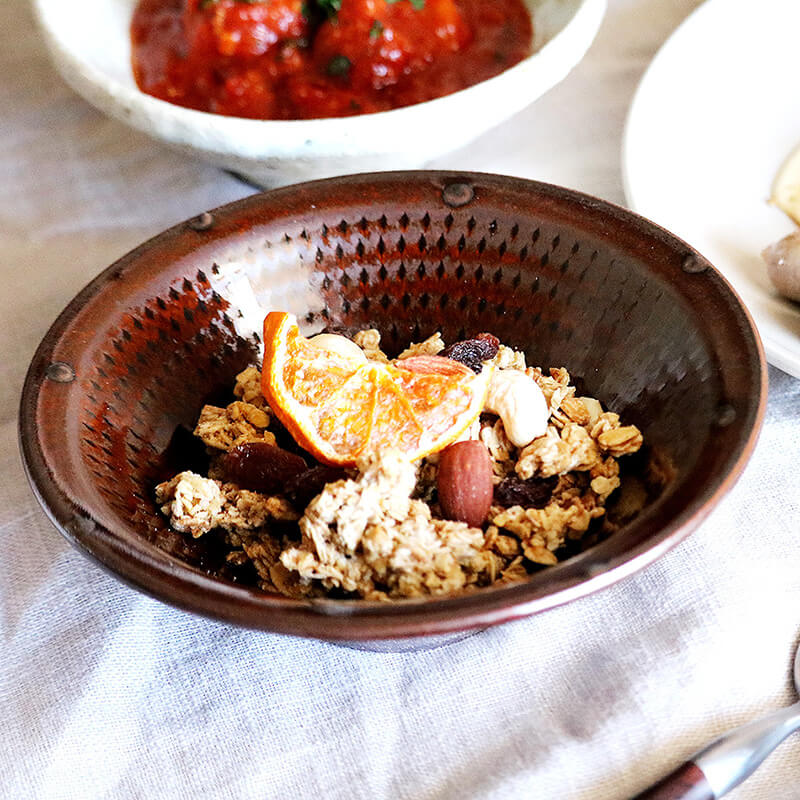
[{"x": 640, "y": 321}]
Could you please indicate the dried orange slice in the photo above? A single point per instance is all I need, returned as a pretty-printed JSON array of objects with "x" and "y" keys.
[{"x": 338, "y": 405}]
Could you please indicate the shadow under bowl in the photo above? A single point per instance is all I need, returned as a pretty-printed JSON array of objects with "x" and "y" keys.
[{"x": 641, "y": 321}]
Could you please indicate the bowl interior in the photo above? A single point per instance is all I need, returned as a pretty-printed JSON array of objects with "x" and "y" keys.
[{"x": 641, "y": 321}]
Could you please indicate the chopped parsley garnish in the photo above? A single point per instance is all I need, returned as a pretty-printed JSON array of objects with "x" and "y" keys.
[
  {"x": 338, "y": 67},
  {"x": 325, "y": 8},
  {"x": 317, "y": 10},
  {"x": 209, "y": 3},
  {"x": 328, "y": 8}
]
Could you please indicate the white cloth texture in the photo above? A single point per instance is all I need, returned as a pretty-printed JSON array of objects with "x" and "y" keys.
[{"x": 106, "y": 693}]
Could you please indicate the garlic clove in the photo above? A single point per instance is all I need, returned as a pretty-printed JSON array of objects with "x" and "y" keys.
[{"x": 783, "y": 265}]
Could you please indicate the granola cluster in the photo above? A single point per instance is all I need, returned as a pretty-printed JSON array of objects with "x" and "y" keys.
[
  {"x": 367, "y": 536},
  {"x": 226, "y": 428},
  {"x": 378, "y": 532}
]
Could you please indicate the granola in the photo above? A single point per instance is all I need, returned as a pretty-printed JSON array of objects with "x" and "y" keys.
[
  {"x": 558, "y": 452},
  {"x": 197, "y": 505},
  {"x": 508, "y": 358},
  {"x": 370, "y": 342},
  {"x": 240, "y": 422},
  {"x": 430, "y": 347},
  {"x": 376, "y": 531},
  {"x": 248, "y": 388},
  {"x": 359, "y": 535}
]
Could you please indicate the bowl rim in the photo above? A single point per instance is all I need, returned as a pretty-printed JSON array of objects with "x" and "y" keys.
[
  {"x": 142, "y": 565},
  {"x": 110, "y": 95}
]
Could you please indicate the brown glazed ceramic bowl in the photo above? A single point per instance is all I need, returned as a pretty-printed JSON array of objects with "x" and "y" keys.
[{"x": 640, "y": 319}]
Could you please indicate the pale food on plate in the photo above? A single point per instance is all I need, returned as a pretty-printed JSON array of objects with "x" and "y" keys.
[
  {"x": 786, "y": 187},
  {"x": 783, "y": 265},
  {"x": 783, "y": 257},
  {"x": 726, "y": 124}
]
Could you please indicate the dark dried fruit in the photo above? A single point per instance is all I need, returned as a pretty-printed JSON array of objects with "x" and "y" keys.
[
  {"x": 473, "y": 352},
  {"x": 491, "y": 339},
  {"x": 261, "y": 467},
  {"x": 532, "y": 493},
  {"x": 303, "y": 488},
  {"x": 184, "y": 452}
]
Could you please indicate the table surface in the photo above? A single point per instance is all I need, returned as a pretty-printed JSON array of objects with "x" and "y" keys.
[{"x": 109, "y": 694}]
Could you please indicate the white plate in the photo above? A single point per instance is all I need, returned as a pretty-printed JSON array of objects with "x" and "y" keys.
[{"x": 713, "y": 119}]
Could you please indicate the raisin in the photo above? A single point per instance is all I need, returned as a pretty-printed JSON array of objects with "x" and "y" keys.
[
  {"x": 473, "y": 352},
  {"x": 304, "y": 487},
  {"x": 491, "y": 339},
  {"x": 532, "y": 493},
  {"x": 261, "y": 467}
]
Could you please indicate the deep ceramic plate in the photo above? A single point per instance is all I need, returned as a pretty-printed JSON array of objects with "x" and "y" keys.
[
  {"x": 639, "y": 318},
  {"x": 712, "y": 122},
  {"x": 96, "y": 61}
]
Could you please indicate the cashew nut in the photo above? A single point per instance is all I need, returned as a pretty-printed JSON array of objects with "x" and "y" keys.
[
  {"x": 340, "y": 345},
  {"x": 517, "y": 399}
]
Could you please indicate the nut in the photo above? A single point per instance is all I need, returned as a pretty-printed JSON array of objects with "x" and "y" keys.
[
  {"x": 517, "y": 399},
  {"x": 465, "y": 482},
  {"x": 339, "y": 345}
]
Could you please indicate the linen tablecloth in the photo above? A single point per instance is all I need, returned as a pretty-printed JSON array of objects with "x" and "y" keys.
[{"x": 105, "y": 693}]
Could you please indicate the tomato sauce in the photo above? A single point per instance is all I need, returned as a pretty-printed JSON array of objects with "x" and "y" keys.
[{"x": 295, "y": 59}]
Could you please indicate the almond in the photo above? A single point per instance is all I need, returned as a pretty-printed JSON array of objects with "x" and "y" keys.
[{"x": 465, "y": 482}]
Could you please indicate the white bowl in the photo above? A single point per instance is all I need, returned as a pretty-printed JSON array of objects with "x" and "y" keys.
[{"x": 95, "y": 59}]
